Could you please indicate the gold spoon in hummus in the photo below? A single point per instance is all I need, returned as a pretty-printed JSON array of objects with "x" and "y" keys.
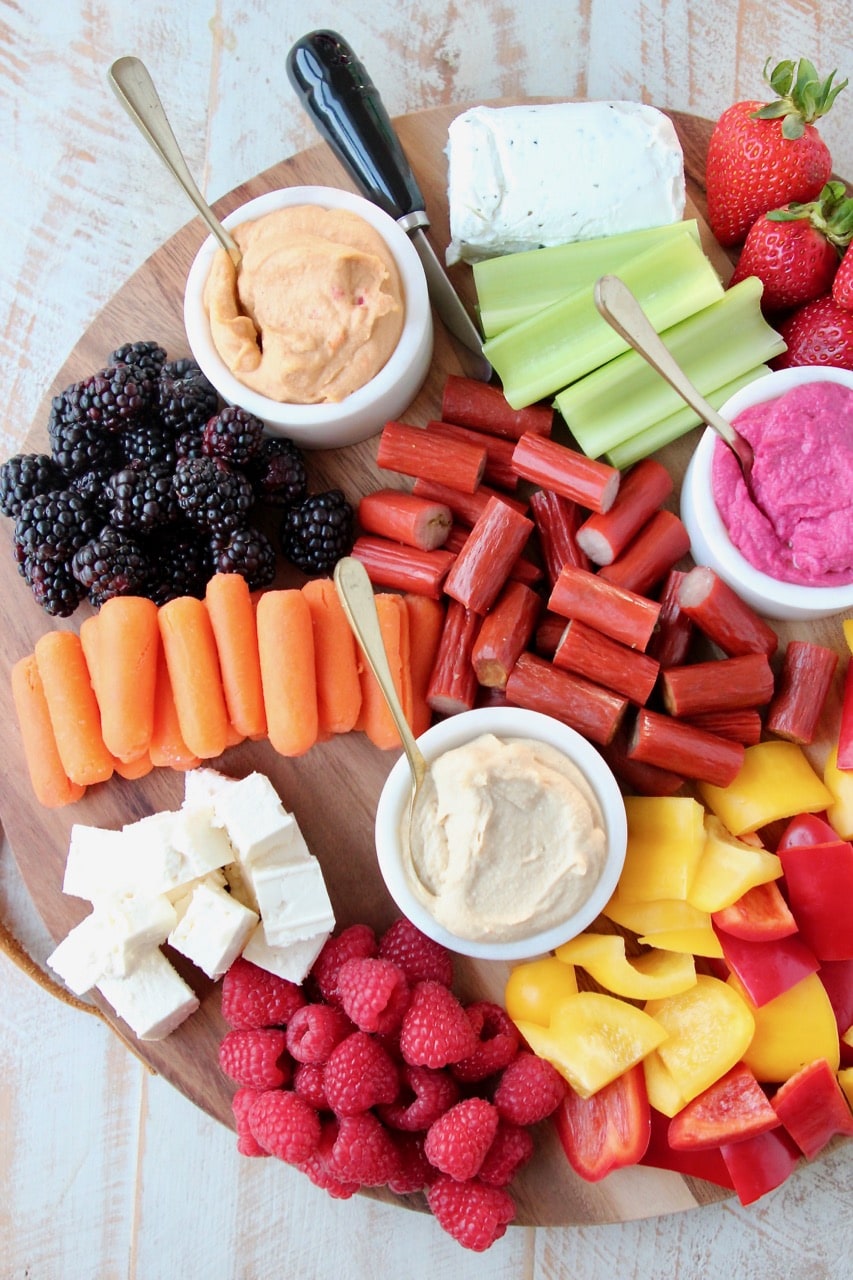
[
  {"x": 135, "y": 90},
  {"x": 618, "y": 306}
]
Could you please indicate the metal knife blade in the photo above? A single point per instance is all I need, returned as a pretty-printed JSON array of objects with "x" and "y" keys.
[{"x": 346, "y": 108}]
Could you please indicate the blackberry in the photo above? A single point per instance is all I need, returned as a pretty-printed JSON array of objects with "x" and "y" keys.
[
  {"x": 146, "y": 359},
  {"x": 142, "y": 496},
  {"x": 180, "y": 564},
  {"x": 278, "y": 472},
  {"x": 246, "y": 551},
  {"x": 316, "y": 532},
  {"x": 185, "y": 397},
  {"x": 110, "y": 399},
  {"x": 212, "y": 494},
  {"x": 78, "y": 446},
  {"x": 149, "y": 441},
  {"x": 233, "y": 434},
  {"x": 112, "y": 564},
  {"x": 25, "y": 475},
  {"x": 92, "y": 485},
  {"x": 51, "y": 526},
  {"x": 53, "y": 585},
  {"x": 190, "y": 444}
]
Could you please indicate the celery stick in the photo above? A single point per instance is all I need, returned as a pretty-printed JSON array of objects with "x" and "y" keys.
[
  {"x": 713, "y": 346},
  {"x": 661, "y": 433},
  {"x": 516, "y": 286},
  {"x": 547, "y": 352}
]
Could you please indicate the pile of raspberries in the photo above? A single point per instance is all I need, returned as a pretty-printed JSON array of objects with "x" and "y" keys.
[{"x": 373, "y": 1073}]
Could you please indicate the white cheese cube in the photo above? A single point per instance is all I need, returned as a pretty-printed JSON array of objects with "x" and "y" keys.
[
  {"x": 252, "y": 814},
  {"x": 79, "y": 957},
  {"x": 521, "y": 177},
  {"x": 213, "y": 929},
  {"x": 112, "y": 940},
  {"x": 240, "y": 884},
  {"x": 293, "y": 900},
  {"x": 180, "y": 897},
  {"x": 94, "y": 866},
  {"x": 204, "y": 847},
  {"x": 292, "y": 961},
  {"x": 203, "y": 785},
  {"x": 153, "y": 999},
  {"x": 157, "y": 864}
]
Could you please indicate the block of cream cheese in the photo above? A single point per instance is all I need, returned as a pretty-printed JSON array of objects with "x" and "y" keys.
[
  {"x": 525, "y": 177},
  {"x": 213, "y": 929},
  {"x": 153, "y": 999}
]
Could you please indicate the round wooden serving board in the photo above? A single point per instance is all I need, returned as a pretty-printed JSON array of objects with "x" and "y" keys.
[{"x": 333, "y": 789}]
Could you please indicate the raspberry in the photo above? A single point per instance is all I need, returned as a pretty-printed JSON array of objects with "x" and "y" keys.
[
  {"x": 253, "y": 997},
  {"x": 374, "y": 993},
  {"x": 510, "y": 1151},
  {"x": 435, "y": 1029},
  {"x": 417, "y": 955},
  {"x": 458, "y": 1141},
  {"x": 308, "y": 1083},
  {"x": 241, "y": 1105},
  {"x": 529, "y": 1089},
  {"x": 318, "y": 1166},
  {"x": 498, "y": 1042},
  {"x": 359, "y": 1074},
  {"x": 285, "y": 1125},
  {"x": 364, "y": 1151},
  {"x": 255, "y": 1058},
  {"x": 414, "y": 1172},
  {"x": 424, "y": 1096},
  {"x": 356, "y": 940},
  {"x": 473, "y": 1213},
  {"x": 314, "y": 1030}
]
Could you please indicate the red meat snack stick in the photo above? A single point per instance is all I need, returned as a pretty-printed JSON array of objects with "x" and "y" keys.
[
  {"x": 453, "y": 683},
  {"x": 555, "y": 466},
  {"x": 505, "y": 633},
  {"x": 412, "y": 451},
  {"x": 642, "y": 779},
  {"x": 401, "y": 568},
  {"x": 682, "y": 748},
  {"x": 499, "y": 469},
  {"x": 483, "y": 565},
  {"x": 719, "y": 612},
  {"x": 604, "y": 535},
  {"x": 647, "y": 560},
  {"x": 523, "y": 570},
  {"x": 591, "y": 653},
  {"x": 802, "y": 690},
  {"x": 537, "y": 685},
  {"x": 465, "y": 507},
  {"x": 743, "y": 724},
  {"x": 484, "y": 407},
  {"x": 670, "y": 643},
  {"x": 548, "y": 634},
  {"x": 744, "y": 681},
  {"x": 557, "y": 520},
  {"x": 405, "y": 517},
  {"x": 622, "y": 615}
]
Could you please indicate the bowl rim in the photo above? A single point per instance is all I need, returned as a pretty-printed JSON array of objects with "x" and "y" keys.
[
  {"x": 511, "y": 722},
  {"x": 417, "y": 320},
  {"x": 793, "y": 595}
]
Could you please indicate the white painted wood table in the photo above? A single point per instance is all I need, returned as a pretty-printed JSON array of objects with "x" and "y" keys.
[{"x": 106, "y": 1171}]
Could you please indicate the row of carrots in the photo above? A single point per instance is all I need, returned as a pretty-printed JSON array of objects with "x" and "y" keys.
[{"x": 142, "y": 685}]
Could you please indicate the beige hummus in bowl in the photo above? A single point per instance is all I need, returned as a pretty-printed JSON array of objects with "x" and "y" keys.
[
  {"x": 325, "y": 330},
  {"x": 520, "y": 840}
]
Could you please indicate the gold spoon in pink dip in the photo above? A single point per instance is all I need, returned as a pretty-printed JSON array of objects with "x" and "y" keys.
[{"x": 617, "y": 304}]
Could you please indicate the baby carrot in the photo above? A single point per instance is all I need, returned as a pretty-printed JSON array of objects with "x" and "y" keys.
[
  {"x": 375, "y": 718},
  {"x": 193, "y": 664},
  {"x": 426, "y": 620},
  {"x": 232, "y": 614},
  {"x": 50, "y": 782},
  {"x": 133, "y": 769},
  {"x": 288, "y": 675},
  {"x": 336, "y": 657},
  {"x": 73, "y": 707},
  {"x": 130, "y": 769},
  {"x": 167, "y": 743},
  {"x": 127, "y": 633}
]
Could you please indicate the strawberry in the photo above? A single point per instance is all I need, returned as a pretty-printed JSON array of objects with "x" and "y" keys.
[
  {"x": 794, "y": 251},
  {"x": 764, "y": 155},
  {"x": 818, "y": 333},
  {"x": 842, "y": 282}
]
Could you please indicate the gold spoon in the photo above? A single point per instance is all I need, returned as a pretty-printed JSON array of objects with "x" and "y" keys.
[
  {"x": 135, "y": 90},
  {"x": 617, "y": 304}
]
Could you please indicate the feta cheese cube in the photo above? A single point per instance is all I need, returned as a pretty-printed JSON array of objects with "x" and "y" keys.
[
  {"x": 204, "y": 847},
  {"x": 251, "y": 812},
  {"x": 112, "y": 940},
  {"x": 153, "y": 999},
  {"x": 213, "y": 929},
  {"x": 292, "y": 961},
  {"x": 94, "y": 866},
  {"x": 293, "y": 900}
]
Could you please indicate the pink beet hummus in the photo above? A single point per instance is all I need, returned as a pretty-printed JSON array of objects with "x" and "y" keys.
[{"x": 800, "y": 527}]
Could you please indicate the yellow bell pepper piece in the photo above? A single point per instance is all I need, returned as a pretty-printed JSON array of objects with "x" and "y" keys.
[
  {"x": 791, "y": 1030},
  {"x": 847, "y": 627},
  {"x": 848, "y": 1037},
  {"x": 775, "y": 781},
  {"x": 839, "y": 783},
  {"x": 652, "y": 975},
  {"x": 699, "y": 941},
  {"x": 845, "y": 1079},
  {"x": 709, "y": 1026},
  {"x": 533, "y": 988},
  {"x": 593, "y": 1038},
  {"x": 664, "y": 1094},
  {"x": 727, "y": 868},
  {"x": 657, "y": 916},
  {"x": 665, "y": 839}
]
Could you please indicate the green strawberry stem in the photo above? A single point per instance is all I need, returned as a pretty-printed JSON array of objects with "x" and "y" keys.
[
  {"x": 831, "y": 214},
  {"x": 802, "y": 96}
]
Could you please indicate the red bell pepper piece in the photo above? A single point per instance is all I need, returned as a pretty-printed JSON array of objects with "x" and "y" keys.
[
  {"x": 760, "y": 1164},
  {"x": 837, "y": 978},
  {"x": 707, "y": 1164},
  {"x": 813, "y": 1108},
  {"x": 766, "y": 969},
  {"x": 733, "y": 1108},
  {"x": 759, "y": 915},
  {"x": 819, "y": 884},
  {"x": 806, "y": 828},
  {"x": 608, "y": 1130}
]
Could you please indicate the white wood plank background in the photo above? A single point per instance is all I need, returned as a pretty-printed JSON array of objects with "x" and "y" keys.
[{"x": 105, "y": 1171}]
